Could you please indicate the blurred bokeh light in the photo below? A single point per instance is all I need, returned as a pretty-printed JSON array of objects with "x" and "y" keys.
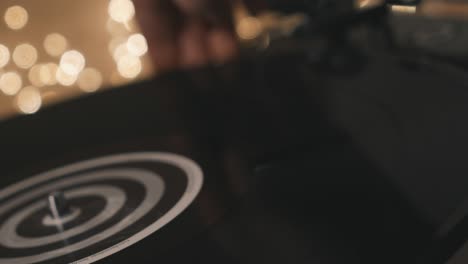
[
  {"x": 90, "y": 80},
  {"x": 10, "y": 83},
  {"x": 4, "y": 55},
  {"x": 121, "y": 11},
  {"x": 29, "y": 100},
  {"x": 55, "y": 44},
  {"x": 16, "y": 17},
  {"x": 25, "y": 56},
  {"x": 72, "y": 62},
  {"x": 249, "y": 28},
  {"x": 53, "y": 50}
]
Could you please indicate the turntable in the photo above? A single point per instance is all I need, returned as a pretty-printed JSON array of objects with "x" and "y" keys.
[{"x": 332, "y": 148}]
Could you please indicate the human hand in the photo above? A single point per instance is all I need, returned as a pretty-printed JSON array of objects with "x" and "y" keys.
[{"x": 187, "y": 33}]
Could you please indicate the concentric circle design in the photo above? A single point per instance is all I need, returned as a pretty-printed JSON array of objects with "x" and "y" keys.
[
  {"x": 9, "y": 237},
  {"x": 117, "y": 201}
]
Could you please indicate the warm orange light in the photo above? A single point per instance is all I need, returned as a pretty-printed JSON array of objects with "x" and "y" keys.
[
  {"x": 48, "y": 73},
  {"x": 55, "y": 44},
  {"x": 16, "y": 17},
  {"x": 137, "y": 45},
  {"x": 29, "y": 100},
  {"x": 403, "y": 9},
  {"x": 121, "y": 11},
  {"x": 34, "y": 75},
  {"x": 129, "y": 66},
  {"x": 4, "y": 55},
  {"x": 90, "y": 80},
  {"x": 64, "y": 78},
  {"x": 120, "y": 51},
  {"x": 249, "y": 28},
  {"x": 10, "y": 83},
  {"x": 25, "y": 56},
  {"x": 72, "y": 62}
]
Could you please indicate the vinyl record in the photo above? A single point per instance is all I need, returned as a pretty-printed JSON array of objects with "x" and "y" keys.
[{"x": 115, "y": 201}]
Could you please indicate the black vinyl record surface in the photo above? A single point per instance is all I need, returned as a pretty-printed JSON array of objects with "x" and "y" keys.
[
  {"x": 114, "y": 201},
  {"x": 254, "y": 162}
]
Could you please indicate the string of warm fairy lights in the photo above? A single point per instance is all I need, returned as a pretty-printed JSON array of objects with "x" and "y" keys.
[
  {"x": 24, "y": 56},
  {"x": 126, "y": 47},
  {"x": 29, "y": 74},
  {"x": 26, "y": 78}
]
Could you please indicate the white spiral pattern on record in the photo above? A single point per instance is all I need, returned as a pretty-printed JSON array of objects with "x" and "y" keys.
[{"x": 114, "y": 198}]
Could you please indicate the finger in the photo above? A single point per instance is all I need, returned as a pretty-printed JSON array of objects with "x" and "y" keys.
[
  {"x": 191, "y": 7},
  {"x": 222, "y": 46},
  {"x": 213, "y": 12},
  {"x": 159, "y": 21},
  {"x": 220, "y": 43},
  {"x": 193, "y": 44}
]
